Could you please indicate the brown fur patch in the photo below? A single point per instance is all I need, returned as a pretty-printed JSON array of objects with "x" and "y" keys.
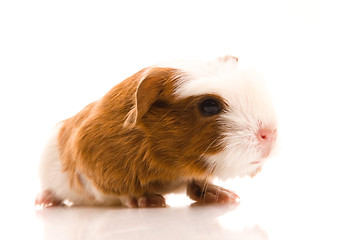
[{"x": 139, "y": 138}]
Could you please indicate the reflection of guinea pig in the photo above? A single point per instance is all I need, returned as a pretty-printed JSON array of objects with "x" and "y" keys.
[{"x": 164, "y": 128}]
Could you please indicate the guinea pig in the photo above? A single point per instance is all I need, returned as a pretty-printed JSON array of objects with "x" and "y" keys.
[{"x": 169, "y": 127}]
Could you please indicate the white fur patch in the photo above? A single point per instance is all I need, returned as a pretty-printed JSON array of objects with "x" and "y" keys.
[{"x": 249, "y": 106}]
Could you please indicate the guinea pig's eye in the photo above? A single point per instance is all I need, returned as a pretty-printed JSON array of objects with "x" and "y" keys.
[{"x": 209, "y": 107}]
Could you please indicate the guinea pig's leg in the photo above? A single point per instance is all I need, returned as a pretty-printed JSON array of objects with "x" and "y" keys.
[
  {"x": 150, "y": 200},
  {"x": 46, "y": 198},
  {"x": 205, "y": 192}
]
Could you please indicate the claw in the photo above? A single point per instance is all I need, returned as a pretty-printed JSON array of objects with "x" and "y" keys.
[
  {"x": 155, "y": 200},
  {"x": 46, "y": 199}
]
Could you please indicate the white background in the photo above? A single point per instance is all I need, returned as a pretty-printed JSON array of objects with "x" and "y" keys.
[{"x": 58, "y": 56}]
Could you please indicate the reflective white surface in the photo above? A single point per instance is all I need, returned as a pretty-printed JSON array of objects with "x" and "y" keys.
[
  {"x": 56, "y": 57},
  {"x": 172, "y": 223}
]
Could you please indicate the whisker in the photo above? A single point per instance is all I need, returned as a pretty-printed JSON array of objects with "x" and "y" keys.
[
  {"x": 210, "y": 145},
  {"x": 217, "y": 195},
  {"x": 204, "y": 190},
  {"x": 205, "y": 185}
]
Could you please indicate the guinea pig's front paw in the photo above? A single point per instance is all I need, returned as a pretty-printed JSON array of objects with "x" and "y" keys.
[
  {"x": 152, "y": 200},
  {"x": 204, "y": 192}
]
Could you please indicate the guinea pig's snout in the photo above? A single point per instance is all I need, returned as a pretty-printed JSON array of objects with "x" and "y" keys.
[{"x": 266, "y": 138}]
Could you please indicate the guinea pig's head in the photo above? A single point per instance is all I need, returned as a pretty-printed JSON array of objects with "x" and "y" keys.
[{"x": 205, "y": 117}]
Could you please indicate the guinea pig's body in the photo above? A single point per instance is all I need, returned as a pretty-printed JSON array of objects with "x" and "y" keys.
[{"x": 166, "y": 128}]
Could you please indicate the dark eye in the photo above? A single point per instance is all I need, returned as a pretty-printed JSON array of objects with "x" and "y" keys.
[{"x": 209, "y": 107}]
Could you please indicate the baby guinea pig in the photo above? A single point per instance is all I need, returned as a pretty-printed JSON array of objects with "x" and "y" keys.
[{"x": 166, "y": 128}]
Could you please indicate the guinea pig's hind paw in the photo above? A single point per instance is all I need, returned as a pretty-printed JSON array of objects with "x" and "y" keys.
[
  {"x": 46, "y": 199},
  {"x": 209, "y": 193},
  {"x": 155, "y": 200}
]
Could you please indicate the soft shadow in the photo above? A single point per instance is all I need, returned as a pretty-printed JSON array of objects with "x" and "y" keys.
[{"x": 197, "y": 222}]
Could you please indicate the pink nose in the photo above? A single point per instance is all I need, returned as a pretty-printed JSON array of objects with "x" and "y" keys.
[{"x": 266, "y": 138}]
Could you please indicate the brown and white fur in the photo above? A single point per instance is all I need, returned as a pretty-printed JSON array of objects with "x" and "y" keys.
[{"x": 149, "y": 136}]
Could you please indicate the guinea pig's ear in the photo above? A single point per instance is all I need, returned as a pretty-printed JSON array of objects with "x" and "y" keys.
[{"x": 148, "y": 91}]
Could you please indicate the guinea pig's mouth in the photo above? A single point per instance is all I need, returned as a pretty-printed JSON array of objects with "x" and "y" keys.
[{"x": 255, "y": 162}]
